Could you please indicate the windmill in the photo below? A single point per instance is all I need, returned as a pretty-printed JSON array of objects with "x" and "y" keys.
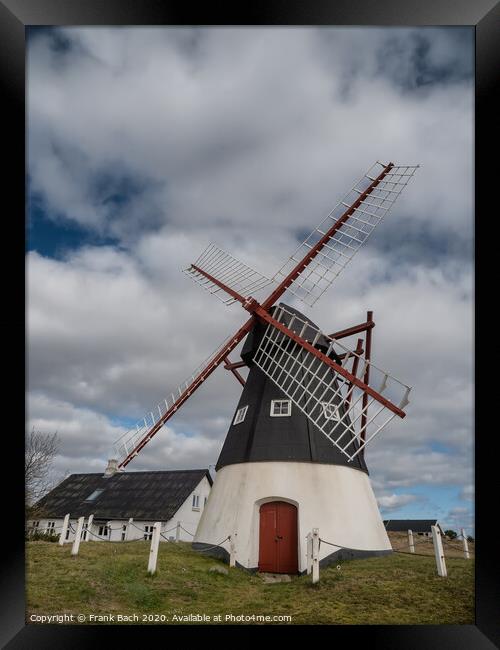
[{"x": 293, "y": 458}]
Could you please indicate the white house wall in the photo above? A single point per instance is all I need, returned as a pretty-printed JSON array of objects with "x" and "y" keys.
[{"x": 338, "y": 500}]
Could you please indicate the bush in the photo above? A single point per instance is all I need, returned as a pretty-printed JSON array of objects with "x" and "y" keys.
[{"x": 41, "y": 536}]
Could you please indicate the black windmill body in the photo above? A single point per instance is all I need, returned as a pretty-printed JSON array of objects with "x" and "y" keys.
[
  {"x": 293, "y": 458},
  {"x": 266, "y": 436}
]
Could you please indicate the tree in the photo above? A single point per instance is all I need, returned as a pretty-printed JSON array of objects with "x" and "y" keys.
[
  {"x": 450, "y": 534},
  {"x": 40, "y": 451},
  {"x": 470, "y": 538}
]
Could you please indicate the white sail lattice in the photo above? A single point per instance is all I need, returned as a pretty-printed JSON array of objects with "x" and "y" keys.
[
  {"x": 340, "y": 248},
  {"x": 348, "y": 416},
  {"x": 128, "y": 441},
  {"x": 227, "y": 269}
]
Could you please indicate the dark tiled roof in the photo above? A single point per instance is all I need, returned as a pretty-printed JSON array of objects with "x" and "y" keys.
[
  {"x": 142, "y": 495},
  {"x": 415, "y": 525}
]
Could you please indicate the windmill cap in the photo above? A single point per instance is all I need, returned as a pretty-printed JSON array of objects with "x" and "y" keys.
[{"x": 255, "y": 335}]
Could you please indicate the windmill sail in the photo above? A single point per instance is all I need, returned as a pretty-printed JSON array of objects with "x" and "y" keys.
[
  {"x": 130, "y": 443},
  {"x": 332, "y": 400},
  {"x": 226, "y": 269},
  {"x": 353, "y": 231}
]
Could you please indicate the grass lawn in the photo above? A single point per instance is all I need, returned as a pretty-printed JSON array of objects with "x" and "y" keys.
[{"x": 111, "y": 578}]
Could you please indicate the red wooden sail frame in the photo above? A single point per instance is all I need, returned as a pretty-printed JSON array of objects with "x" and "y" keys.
[{"x": 261, "y": 311}]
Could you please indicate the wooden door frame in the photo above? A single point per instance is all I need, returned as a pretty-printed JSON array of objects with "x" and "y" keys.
[{"x": 256, "y": 536}]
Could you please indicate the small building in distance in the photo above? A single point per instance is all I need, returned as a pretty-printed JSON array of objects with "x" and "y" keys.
[
  {"x": 113, "y": 500},
  {"x": 417, "y": 526}
]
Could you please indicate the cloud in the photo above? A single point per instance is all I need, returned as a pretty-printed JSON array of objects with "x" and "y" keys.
[
  {"x": 395, "y": 501},
  {"x": 265, "y": 133},
  {"x": 167, "y": 139}
]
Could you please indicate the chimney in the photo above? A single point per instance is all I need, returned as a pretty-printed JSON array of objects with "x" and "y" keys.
[{"x": 112, "y": 468}]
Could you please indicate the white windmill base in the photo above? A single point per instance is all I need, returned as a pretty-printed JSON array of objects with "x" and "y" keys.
[{"x": 336, "y": 499}]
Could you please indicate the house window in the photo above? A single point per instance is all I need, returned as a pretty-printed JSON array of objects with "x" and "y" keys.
[
  {"x": 205, "y": 502},
  {"x": 196, "y": 501},
  {"x": 124, "y": 532},
  {"x": 103, "y": 531},
  {"x": 33, "y": 528},
  {"x": 240, "y": 415},
  {"x": 50, "y": 527},
  {"x": 67, "y": 532},
  {"x": 331, "y": 411},
  {"x": 94, "y": 495},
  {"x": 281, "y": 408},
  {"x": 84, "y": 532},
  {"x": 148, "y": 532}
]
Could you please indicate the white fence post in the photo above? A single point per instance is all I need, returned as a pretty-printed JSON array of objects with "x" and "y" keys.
[
  {"x": 178, "y": 532},
  {"x": 466, "y": 545},
  {"x": 153, "y": 551},
  {"x": 86, "y": 537},
  {"x": 438, "y": 550},
  {"x": 315, "y": 555},
  {"x": 309, "y": 553},
  {"x": 232, "y": 550},
  {"x": 410, "y": 541},
  {"x": 129, "y": 525},
  {"x": 64, "y": 530},
  {"x": 78, "y": 536}
]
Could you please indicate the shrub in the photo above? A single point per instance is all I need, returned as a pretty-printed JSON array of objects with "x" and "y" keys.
[{"x": 41, "y": 536}]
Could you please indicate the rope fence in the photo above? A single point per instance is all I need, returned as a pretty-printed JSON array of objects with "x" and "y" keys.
[
  {"x": 434, "y": 544},
  {"x": 187, "y": 531},
  {"x": 209, "y": 548}
]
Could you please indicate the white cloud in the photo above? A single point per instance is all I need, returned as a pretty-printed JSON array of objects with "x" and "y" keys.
[{"x": 395, "y": 501}]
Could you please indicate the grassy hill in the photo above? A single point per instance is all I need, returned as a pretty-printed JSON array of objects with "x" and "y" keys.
[{"x": 111, "y": 578}]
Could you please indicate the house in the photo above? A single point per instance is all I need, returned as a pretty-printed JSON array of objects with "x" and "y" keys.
[
  {"x": 420, "y": 527},
  {"x": 125, "y": 505}
]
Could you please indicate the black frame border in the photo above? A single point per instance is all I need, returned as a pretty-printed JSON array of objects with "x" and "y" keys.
[{"x": 484, "y": 16}]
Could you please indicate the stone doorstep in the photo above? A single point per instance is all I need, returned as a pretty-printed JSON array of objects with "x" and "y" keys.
[{"x": 274, "y": 578}]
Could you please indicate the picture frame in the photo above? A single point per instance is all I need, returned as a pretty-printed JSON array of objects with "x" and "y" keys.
[{"x": 16, "y": 15}]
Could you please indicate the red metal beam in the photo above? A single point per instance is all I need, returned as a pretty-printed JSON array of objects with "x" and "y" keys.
[
  {"x": 197, "y": 382},
  {"x": 220, "y": 284},
  {"x": 366, "y": 378},
  {"x": 368, "y": 390},
  {"x": 310, "y": 255},
  {"x": 355, "y": 329},
  {"x": 258, "y": 310},
  {"x": 236, "y": 364},
  {"x": 230, "y": 366},
  {"x": 355, "y": 363}
]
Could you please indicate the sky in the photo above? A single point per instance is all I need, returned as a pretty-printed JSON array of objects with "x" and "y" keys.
[{"x": 147, "y": 144}]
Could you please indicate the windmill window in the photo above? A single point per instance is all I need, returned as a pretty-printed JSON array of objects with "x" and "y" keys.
[
  {"x": 240, "y": 415},
  {"x": 331, "y": 411},
  {"x": 196, "y": 501},
  {"x": 281, "y": 408},
  {"x": 94, "y": 495}
]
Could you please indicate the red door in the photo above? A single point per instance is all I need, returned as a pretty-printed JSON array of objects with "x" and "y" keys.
[{"x": 278, "y": 550}]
